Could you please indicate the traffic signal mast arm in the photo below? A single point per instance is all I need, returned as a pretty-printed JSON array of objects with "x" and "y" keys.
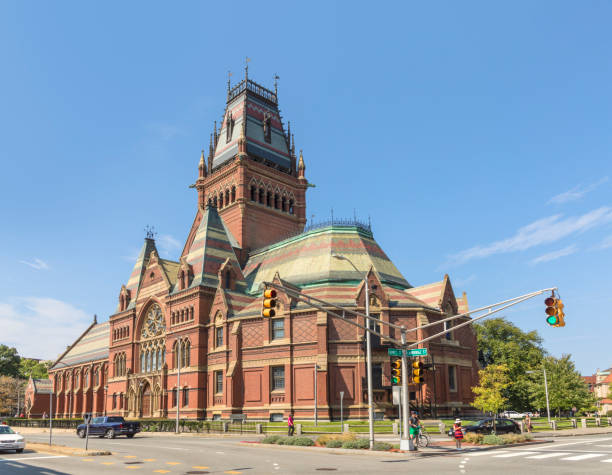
[{"x": 325, "y": 307}]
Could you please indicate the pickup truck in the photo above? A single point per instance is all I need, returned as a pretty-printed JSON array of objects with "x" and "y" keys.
[{"x": 109, "y": 427}]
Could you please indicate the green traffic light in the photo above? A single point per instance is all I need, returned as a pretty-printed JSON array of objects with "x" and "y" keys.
[
  {"x": 552, "y": 320},
  {"x": 395, "y": 380}
]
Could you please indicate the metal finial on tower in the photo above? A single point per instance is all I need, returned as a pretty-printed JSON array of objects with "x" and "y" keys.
[
  {"x": 229, "y": 84},
  {"x": 292, "y": 144},
  {"x": 95, "y": 319},
  {"x": 246, "y": 68},
  {"x": 150, "y": 232},
  {"x": 276, "y": 78}
]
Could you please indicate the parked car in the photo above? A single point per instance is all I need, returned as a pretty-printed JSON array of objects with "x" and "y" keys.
[
  {"x": 11, "y": 440},
  {"x": 109, "y": 427},
  {"x": 485, "y": 426}
]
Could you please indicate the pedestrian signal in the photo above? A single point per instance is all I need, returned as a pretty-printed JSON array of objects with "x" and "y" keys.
[
  {"x": 269, "y": 303},
  {"x": 417, "y": 372},
  {"x": 396, "y": 371},
  {"x": 560, "y": 313}
]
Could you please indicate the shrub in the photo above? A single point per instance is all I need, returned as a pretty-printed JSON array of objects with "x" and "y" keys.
[
  {"x": 350, "y": 444},
  {"x": 492, "y": 440},
  {"x": 334, "y": 444},
  {"x": 324, "y": 440},
  {"x": 473, "y": 438},
  {"x": 356, "y": 444},
  {"x": 382, "y": 446},
  {"x": 303, "y": 441},
  {"x": 270, "y": 439}
]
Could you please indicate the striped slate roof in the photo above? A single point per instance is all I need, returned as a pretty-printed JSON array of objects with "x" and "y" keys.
[
  {"x": 431, "y": 294},
  {"x": 133, "y": 284},
  {"x": 306, "y": 259},
  {"x": 91, "y": 346},
  {"x": 210, "y": 248},
  {"x": 42, "y": 386},
  {"x": 251, "y": 102}
]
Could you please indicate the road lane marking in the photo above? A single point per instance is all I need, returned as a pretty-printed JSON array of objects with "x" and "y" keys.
[
  {"x": 607, "y": 460},
  {"x": 173, "y": 463},
  {"x": 107, "y": 463},
  {"x": 148, "y": 460},
  {"x": 199, "y": 467},
  {"x": 34, "y": 458},
  {"x": 549, "y": 455},
  {"x": 232, "y": 472},
  {"x": 583, "y": 457},
  {"x": 87, "y": 460},
  {"x": 582, "y": 442},
  {"x": 514, "y": 454},
  {"x": 129, "y": 456},
  {"x": 161, "y": 471},
  {"x": 132, "y": 467},
  {"x": 607, "y": 446},
  {"x": 487, "y": 452}
]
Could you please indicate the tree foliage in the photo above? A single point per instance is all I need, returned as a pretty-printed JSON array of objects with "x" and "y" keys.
[
  {"x": 9, "y": 361},
  {"x": 566, "y": 387},
  {"x": 502, "y": 343},
  {"x": 34, "y": 368},
  {"x": 489, "y": 393},
  {"x": 10, "y": 389}
]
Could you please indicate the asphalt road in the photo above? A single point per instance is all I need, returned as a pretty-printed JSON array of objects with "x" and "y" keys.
[{"x": 194, "y": 455}]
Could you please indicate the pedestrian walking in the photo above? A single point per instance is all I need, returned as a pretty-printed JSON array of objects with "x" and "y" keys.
[
  {"x": 528, "y": 423},
  {"x": 458, "y": 433},
  {"x": 290, "y": 424}
]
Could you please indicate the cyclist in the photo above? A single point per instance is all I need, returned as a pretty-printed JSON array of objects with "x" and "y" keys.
[{"x": 414, "y": 424}]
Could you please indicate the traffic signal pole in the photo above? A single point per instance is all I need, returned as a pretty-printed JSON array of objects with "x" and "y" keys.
[{"x": 405, "y": 442}]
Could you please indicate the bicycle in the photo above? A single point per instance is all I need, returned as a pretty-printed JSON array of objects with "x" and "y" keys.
[{"x": 422, "y": 440}]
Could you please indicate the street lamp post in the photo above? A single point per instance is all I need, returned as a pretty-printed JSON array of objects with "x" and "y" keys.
[
  {"x": 178, "y": 381},
  {"x": 545, "y": 389},
  {"x": 316, "y": 412},
  {"x": 368, "y": 348},
  {"x": 105, "y": 398}
]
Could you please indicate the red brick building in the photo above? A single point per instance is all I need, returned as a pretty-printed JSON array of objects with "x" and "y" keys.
[{"x": 202, "y": 315}]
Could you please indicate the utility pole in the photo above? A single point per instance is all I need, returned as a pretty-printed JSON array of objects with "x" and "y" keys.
[
  {"x": 369, "y": 363},
  {"x": 406, "y": 441},
  {"x": 316, "y": 413},
  {"x": 546, "y": 391}
]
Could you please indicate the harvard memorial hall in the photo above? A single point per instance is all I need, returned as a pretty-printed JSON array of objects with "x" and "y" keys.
[{"x": 202, "y": 314}]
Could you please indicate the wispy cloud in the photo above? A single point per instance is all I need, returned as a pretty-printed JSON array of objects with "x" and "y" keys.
[
  {"x": 463, "y": 282},
  {"x": 41, "y": 327},
  {"x": 542, "y": 231},
  {"x": 36, "y": 263},
  {"x": 577, "y": 192},
  {"x": 551, "y": 256},
  {"x": 167, "y": 244},
  {"x": 606, "y": 243}
]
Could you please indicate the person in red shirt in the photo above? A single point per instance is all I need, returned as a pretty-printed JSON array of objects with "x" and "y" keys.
[
  {"x": 458, "y": 433},
  {"x": 290, "y": 424}
]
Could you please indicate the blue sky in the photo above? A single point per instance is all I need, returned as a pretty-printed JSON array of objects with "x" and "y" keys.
[{"x": 475, "y": 135}]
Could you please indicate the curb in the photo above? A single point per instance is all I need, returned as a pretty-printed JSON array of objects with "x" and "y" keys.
[
  {"x": 380, "y": 453},
  {"x": 63, "y": 450}
]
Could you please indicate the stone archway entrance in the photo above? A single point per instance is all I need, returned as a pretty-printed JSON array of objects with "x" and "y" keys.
[{"x": 146, "y": 401}]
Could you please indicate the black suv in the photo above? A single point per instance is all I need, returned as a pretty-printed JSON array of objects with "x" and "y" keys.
[{"x": 485, "y": 426}]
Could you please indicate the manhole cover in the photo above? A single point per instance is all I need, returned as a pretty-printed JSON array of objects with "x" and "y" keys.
[
  {"x": 131, "y": 463},
  {"x": 326, "y": 469}
]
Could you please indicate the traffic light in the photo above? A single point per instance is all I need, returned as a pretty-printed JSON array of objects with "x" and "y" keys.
[
  {"x": 560, "y": 313},
  {"x": 417, "y": 372},
  {"x": 269, "y": 303},
  {"x": 555, "y": 316},
  {"x": 396, "y": 371}
]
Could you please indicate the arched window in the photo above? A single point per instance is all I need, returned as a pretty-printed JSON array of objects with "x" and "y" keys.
[
  {"x": 185, "y": 356},
  {"x": 159, "y": 358},
  {"x": 276, "y": 201},
  {"x": 233, "y": 194},
  {"x": 284, "y": 203},
  {"x": 220, "y": 200},
  {"x": 97, "y": 377},
  {"x": 261, "y": 195},
  {"x": 175, "y": 355},
  {"x": 290, "y": 206},
  {"x": 269, "y": 198},
  {"x": 143, "y": 366},
  {"x": 253, "y": 193},
  {"x": 227, "y": 197}
]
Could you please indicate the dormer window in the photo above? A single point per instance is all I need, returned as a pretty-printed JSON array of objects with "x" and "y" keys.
[{"x": 267, "y": 129}]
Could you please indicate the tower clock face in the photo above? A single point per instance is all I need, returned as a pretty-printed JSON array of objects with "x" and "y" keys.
[{"x": 154, "y": 323}]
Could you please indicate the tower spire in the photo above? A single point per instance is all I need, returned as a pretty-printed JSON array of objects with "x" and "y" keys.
[
  {"x": 202, "y": 166},
  {"x": 211, "y": 151},
  {"x": 301, "y": 166},
  {"x": 246, "y": 69}
]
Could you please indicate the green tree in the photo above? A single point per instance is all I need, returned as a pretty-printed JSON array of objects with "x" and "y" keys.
[
  {"x": 490, "y": 392},
  {"x": 36, "y": 369},
  {"x": 566, "y": 388},
  {"x": 502, "y": 343},
  {"x": 9, "y": 361}
]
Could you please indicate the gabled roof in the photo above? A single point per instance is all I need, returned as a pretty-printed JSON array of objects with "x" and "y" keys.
[
  {"x": 306, "y": 259},
  {"x": 248, "y": 105},
  {"x": 92, "y": 345},
  {"x": 170, "y": 268},
  {"x": 140, "y": 266},
  {"x": 42, "y": 386},
  {"x": 431, "y": 294},
  {"x": 210, "y": 248}
]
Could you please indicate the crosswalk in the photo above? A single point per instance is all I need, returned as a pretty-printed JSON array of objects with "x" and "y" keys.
[{"x": 545, "y": 455}]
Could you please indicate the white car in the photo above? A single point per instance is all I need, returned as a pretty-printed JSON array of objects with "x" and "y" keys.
[
  {"x": 11, "y": 440},
  {"x": 514, "y": 415}
]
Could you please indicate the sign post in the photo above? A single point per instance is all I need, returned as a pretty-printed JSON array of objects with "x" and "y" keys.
[{"x": 87, "y": 418}]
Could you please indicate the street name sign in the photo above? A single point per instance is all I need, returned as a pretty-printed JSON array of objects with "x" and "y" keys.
[
  {"x": 395, "y": 352},
  {"x": 416, "y": 352}
]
